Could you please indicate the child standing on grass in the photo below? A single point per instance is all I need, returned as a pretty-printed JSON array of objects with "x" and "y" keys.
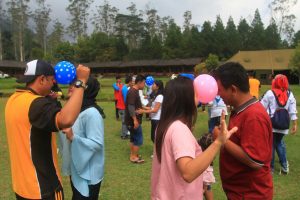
[
  {"x": 208, "y": 175},
  {"x": 215, "y": 109}
]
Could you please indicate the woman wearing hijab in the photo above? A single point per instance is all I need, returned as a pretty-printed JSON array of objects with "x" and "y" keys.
[
  {"x": 280, "y": 91},
  {"x": 87, "y": 145}
]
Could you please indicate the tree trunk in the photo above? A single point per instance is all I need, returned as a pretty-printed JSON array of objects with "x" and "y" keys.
[
  {"x": 21, "y": 43},
  {"x": 1, "y": 51},
  {"x": 21, "y": 46},
  {"x": 45, "y": 45}
]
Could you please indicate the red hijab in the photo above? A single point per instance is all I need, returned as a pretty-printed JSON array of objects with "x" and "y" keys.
[{"x": 280, "y": 85}]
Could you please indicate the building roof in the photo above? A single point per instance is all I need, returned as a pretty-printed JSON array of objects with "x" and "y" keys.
[
  {"x": 264, "y": 59},
  {"x": 146, "y": 63},
  {"x": 120, "y": 64},
  {"x": 12, "y": 64}
]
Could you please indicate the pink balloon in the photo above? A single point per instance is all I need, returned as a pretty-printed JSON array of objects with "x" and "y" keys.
[{"x": 206, "y": 88}]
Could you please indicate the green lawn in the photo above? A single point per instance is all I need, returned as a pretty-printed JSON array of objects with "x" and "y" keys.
[{"x": 124, "y": 180}]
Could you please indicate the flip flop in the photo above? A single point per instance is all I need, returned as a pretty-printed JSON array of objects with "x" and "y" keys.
[{"x": 138, "y": 161}]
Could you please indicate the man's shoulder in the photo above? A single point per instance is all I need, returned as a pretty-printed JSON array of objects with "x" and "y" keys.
[
  {"x": 256, "y": 111},
  {"x": 40, "y": 102},
  {"x": 256, "y": 107},
  {"x": 254, "y": 80},
  {"x": 133, "y": 91}
]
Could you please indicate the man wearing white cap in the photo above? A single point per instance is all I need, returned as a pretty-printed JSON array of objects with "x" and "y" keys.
[{"x": 31, "y": 119}]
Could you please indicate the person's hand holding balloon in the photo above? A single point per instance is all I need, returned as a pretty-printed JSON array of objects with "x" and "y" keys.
[{"x": 83, "y": 73}]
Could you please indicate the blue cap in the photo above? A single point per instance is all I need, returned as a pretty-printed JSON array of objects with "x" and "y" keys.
[{"x": 190, "y": 76}]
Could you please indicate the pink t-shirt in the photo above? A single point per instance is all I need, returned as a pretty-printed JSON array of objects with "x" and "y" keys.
[
  {"x": 166, "y": 181},
  {"x": 208, "y": 176}
]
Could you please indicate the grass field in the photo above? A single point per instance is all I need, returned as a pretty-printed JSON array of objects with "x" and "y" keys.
[{"x": 124, "y": 180}]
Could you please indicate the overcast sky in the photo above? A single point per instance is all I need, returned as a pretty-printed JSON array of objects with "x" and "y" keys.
[{"x": 202, "y": 10}]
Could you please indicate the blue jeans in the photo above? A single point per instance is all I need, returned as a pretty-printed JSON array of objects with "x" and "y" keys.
[
  {"x": 212, "y": 122},
  {"x": 280, "y": 147},
  {"x": 136, "y": 136}
]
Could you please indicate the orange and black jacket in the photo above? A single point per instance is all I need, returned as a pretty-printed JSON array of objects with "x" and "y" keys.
[{"x": 30, "y": 122}]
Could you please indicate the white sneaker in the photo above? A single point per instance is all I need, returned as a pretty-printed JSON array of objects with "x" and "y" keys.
[{"x": 285, "y": 171}]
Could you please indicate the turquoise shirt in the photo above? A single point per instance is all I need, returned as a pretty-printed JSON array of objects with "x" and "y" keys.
[{"x": 87, "y": 150}]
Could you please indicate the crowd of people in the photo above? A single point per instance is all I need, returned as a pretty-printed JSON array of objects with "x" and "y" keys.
[{"x": 181, "y": 165}]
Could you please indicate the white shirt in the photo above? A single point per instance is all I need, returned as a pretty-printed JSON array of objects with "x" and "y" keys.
[
  {"x": 269, "y": 102},
  {"x": 217, "y": 106},
  {"x": 158, "y": 99},
  {"x": 142, "y": 97}
]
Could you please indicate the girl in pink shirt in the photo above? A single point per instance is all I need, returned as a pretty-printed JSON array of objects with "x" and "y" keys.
[{"x": 178, "y": 161}]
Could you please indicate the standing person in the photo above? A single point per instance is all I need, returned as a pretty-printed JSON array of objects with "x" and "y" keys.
[
  {"x": 178, "y": 162},
  {"x": 121, "y": 107},
  {"x": 117, "y": 86},
  {"x": 128, "y": 84},
  {"x": 215, "y": 109},
  {"x": 155, "y": 109},
  {"x": 121, "y": 112},
  {"x": 254, "y": 84},
  {"x": 87, "y": 145},
  {"x": 31, "y": 118},
  {"x": 245, "y": 158},
  {"x": 134, "y": 120},
  {"x": 287, "y": 101}
]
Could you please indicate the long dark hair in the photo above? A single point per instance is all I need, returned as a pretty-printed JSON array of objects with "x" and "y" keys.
[
  {"x": 160, "y": 90},
  {"x": 178, "y": 104}
]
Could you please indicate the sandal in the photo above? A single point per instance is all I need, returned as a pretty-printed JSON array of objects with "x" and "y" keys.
[{"x": 138, "y": 161}]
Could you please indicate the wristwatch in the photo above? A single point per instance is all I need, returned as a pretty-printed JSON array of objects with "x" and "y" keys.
[{"x": 79, "y": 84}]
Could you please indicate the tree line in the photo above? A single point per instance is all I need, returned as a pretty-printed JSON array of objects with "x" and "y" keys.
[{"x": 135, "y": 35}]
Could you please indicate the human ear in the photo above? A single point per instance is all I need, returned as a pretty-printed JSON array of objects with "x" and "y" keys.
[
  {"x": 42, "y": 79},
  {"x": 234, "y": 89}
]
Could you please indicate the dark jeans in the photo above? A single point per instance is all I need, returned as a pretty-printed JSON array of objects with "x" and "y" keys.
[
  {"x": 94, "y": 191},
  {"x": 136, "y": 135},
  {"x": 117, "y": 110},
  {"x": 154, "y": 124},
  {"x": 212, "y": 122},
  {"x": 57, "y": 195},
  {"x": 280, "y": 147}
]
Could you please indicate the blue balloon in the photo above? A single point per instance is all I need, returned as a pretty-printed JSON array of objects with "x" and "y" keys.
[
  {"x": 149, "y": 80},
  {"x": 65, "y": 72}
]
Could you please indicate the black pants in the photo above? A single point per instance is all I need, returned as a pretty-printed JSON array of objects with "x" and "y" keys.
[
  {"x": 154, "y": 124},
  {"x": 94, "y": 191},
  {"x": 57, "y": 195},
  {"x": 117, "y": 110}
]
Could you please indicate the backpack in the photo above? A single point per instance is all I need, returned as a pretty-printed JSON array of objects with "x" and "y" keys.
[{"x": 281, "y": 116}]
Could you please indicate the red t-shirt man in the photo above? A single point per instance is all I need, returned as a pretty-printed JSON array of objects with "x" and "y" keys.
[{"x": 255, "y": 137}]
